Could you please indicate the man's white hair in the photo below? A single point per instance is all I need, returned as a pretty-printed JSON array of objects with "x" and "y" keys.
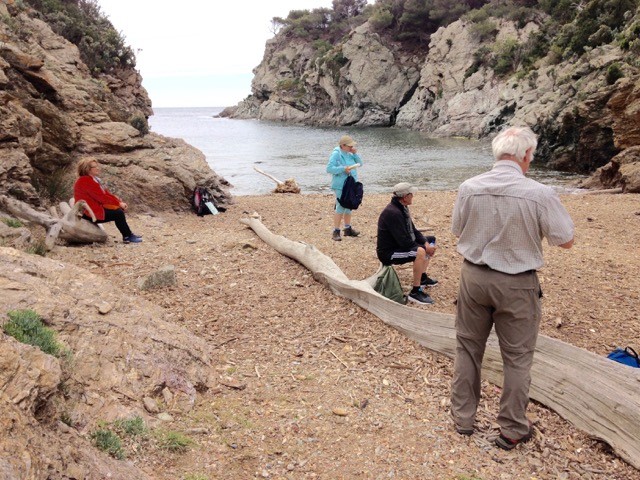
[{"x": 514, "y": 141}]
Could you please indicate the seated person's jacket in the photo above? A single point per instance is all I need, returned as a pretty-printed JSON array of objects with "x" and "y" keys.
[
  {"x": 394, "y": 231},
  {"x": 97, "y": 197}
]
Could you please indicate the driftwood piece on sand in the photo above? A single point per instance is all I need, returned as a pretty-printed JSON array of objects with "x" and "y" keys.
[
  {"x": 597, "y": 395},
  {"x": 69, "y": 226},
  {"x": 288, "y": 186},
  {"x": 598, "y": 192}
]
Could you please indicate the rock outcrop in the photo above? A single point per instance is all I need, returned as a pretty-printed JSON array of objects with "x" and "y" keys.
[
  {"x": 362, "y": 82},
  {"x": 121, "y": 352},
  {"x": 583, "y": 118},
  {"x": 52, "y": 112}
]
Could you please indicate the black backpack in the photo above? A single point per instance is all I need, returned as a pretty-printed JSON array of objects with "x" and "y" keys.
[
  {"x": 199, "y": 201},
  {"x": 352, "y": 192}
]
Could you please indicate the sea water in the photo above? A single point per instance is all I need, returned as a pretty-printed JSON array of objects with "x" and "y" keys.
[{"x": 234, "y": 147}]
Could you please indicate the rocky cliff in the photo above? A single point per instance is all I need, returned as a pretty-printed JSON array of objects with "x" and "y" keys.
[
  {"x": 127, "y": 358},
  {"x": 52, "y": 112},
  {"x": 584, "y": 117}
]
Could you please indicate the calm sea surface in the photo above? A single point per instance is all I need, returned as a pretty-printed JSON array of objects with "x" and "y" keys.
[{"x": 234, "y": 147}]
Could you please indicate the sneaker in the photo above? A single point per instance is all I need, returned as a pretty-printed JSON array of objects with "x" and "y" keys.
[
  {"x": 133, "y": 238},
  {"x": 427, "y": 281},
  {"x": 507, "y": 443},
  {"x": 351, "y": 232},
  {"x": 420, "y": 297},
  {"x": 336, "y": 236}
]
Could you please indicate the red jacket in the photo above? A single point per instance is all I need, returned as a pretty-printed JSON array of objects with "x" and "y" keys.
[{"x": 97, "y": 197}]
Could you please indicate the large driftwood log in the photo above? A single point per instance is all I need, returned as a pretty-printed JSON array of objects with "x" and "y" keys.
[
  {"x": 597, "y": 395},
  {"x": 69, "y": 226}
]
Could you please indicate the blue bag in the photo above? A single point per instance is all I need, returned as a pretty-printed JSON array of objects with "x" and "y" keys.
[{"x": 627, "y": 356}]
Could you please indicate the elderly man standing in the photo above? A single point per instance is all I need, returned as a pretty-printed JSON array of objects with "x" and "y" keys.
[
  {"x": 501, "y": 218},
  {"x": 399, "y": 241}
]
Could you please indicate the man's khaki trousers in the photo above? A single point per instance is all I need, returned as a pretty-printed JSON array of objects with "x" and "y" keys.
[{"x": 511, "y": 303}]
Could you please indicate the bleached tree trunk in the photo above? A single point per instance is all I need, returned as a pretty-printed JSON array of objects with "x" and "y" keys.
[
  {"x": 597, "y": 395},
  {"x": 70, "y": 226}
]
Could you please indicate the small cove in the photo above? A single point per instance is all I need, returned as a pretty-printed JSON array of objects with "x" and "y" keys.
[{"x": 234, "y": 147}]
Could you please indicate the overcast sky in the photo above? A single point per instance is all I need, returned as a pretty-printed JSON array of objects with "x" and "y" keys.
[{"x": 198, "y": 52}]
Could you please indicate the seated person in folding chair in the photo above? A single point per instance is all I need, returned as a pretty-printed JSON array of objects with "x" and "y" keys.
[{"x": 399, "y": 242}]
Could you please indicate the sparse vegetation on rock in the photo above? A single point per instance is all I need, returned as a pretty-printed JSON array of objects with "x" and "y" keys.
[{"x": 26, "y": 326}]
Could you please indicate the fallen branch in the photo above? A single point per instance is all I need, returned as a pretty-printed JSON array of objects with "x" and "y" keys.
[
  {"x": 594, "y": 393},
  {"x": 70, "y": 226},
  {"x": 288, "y": 186},
  {"x": 338, "y": 358}
]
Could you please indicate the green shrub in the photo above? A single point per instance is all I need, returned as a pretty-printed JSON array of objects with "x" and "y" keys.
[
  {"x": 477, "y": 15},
  {"x": 507, "y": 57},
  {"x": 108, "y": 442},
  {"x": 174, "y": 441},
  {"x": 484, "y": 30},
  {"x": 133, "y": 427},
  {"x": 37, "y": 247},
  {"x": 334, "y": 61},
  {"x": 12, "y": 222},
  {"x": 629, "y": 35},
  {"x": 55, "y": 186},
  {"x": 291, "y": 86},
  {"x": 26, "y": 326},
  {"x": 481, "y": 57},
  {"x": 82, "y": 23},
  {"x": 614, "y": 73},
  {"x": 594, "y": 24},
  {"x": 322, "y": 47},
  {"x": 381, "y": 19}
]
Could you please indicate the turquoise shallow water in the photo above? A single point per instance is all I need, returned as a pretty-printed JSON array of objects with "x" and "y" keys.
[{"x": 234, "y": 147}]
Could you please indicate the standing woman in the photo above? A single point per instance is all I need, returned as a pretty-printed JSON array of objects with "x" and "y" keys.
[
  {"x": 343, "y": 162},
  {"x": 105, "y": 205}
]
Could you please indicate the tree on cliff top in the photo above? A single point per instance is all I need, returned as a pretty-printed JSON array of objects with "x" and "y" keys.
[
  {"x": 322, "y": 23},
  {"x": 102, "y": 47},
  {"x": 413, "y": 21}
]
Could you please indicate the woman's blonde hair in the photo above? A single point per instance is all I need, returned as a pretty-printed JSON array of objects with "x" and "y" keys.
[{"x": 85, "y": 165}]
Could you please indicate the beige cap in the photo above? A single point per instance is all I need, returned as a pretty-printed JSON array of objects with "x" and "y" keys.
[
  {"x": 404, "y": 188},
  {"x": 347, "y": 141}
]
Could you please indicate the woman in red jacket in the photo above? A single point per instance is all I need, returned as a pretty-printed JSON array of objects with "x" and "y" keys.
[{"x": 105, "y": 205}]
